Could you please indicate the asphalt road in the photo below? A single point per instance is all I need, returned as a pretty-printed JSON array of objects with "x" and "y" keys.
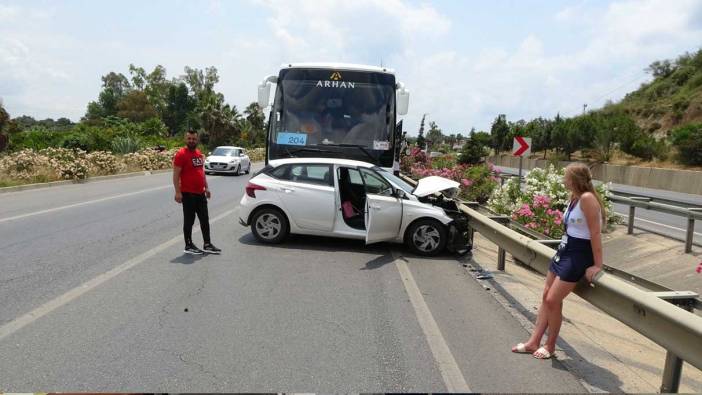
[
  {"x": 654, "y": 221},
  {"x": 97, "y": 295}
]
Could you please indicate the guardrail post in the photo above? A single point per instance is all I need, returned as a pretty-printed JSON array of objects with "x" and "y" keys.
[
  {"x": 691, "y": 229},
  {"x": 672, "y": 369},
  {"x": 632, "y": 213},
  {"x": 501, "y": 252},
  {"x": 690, "y": 234}
]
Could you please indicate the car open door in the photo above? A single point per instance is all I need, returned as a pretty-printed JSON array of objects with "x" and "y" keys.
[
  {"x": 383, "y": 213},
  {"x": 383, "y": 217}
]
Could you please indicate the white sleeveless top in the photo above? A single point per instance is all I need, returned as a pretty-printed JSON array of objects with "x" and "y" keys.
[{"x": 577, "y": 223}]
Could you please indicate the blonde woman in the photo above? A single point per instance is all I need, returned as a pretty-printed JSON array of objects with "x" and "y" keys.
[{"x": 578, "y": 255}]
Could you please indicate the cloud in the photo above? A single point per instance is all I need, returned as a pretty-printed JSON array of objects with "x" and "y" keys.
[{"x": 348, "y": 30}]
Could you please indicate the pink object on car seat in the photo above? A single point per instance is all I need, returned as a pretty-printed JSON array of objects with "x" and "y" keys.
[{"x": 348, "y": 210}]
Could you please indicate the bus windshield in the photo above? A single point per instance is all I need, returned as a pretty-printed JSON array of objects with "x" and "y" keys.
[{"x": 323, "y": 111}]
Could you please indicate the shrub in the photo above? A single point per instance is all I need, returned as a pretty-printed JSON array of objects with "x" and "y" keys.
[
  {"x": 443, "y": 162},
  {"x": 125, "y": 145},
  {"x": 36, "y": 138},
  {"x": 257, "y": 154},
  {"x": 68, "y": 164},
  {"x": 473, "y": 152},
  {"x": 688, "y": 141},
  {"x": 539, "y": 216},
  {"x": 23, "y": 165},
  {"x": 75, "y": 140},
  {"x": 153, "y": 127},
  {"x": 150, "y": 159},
  {"x": 541, "y": 186},
  {"x": 103, "y": 163}
]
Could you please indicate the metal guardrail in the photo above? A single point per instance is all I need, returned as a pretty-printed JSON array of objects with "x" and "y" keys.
[
  {"x": 677, "y": 330},
  {"x": 692, "y": 214},
  {"x": 651, "y": 314}
]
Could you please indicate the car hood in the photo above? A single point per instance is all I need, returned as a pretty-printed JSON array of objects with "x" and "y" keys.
[
  {"x": 225, "y": 159},
  {"x": 433, "y": 184}
]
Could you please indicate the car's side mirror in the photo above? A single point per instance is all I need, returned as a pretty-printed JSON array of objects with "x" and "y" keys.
[
  {"x": 399, "y": 193},
  {"x": 209, "y": 153}
]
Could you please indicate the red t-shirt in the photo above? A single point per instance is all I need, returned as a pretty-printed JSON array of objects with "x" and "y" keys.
[{"x": 192, "y": 174}]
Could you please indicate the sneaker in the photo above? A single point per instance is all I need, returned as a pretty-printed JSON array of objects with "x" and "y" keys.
[
  {"x": 192, "y": 250},
  {"x": 211, "y": 249}
]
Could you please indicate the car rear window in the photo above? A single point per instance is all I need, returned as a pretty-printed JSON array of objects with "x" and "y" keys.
[{"x": 319, "y": 174}]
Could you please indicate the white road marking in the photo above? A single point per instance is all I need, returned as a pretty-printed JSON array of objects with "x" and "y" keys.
[
  {"x": 51, "y": 210},
  {"x": 20, "y": 322},
  {"x": 657, "y": 223},
  {"x": 450, "y": 372}
]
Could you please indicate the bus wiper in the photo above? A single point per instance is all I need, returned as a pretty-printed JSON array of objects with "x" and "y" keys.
[
  {"x": 292, "y": 154},
  {"x": 360, "y": 147}
]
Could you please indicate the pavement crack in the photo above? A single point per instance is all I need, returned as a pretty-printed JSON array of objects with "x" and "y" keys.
[{"x": 200, "y": 367}]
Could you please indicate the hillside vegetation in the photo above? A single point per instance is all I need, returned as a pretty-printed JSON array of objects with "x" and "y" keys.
[
  {"x": 672, "y": 99},
  {"x": 660, "y": 124}
]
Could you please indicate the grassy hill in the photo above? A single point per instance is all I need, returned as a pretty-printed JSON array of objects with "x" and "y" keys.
[{"x": 671, "y": 100}]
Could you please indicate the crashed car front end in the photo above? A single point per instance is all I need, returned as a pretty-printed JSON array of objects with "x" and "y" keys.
[{"x": 442, "y": 192}]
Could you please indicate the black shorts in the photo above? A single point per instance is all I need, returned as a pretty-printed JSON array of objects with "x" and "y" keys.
[{"x": 572, "y": 260}]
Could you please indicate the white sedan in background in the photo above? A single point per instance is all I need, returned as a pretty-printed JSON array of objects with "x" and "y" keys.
[
  {"x": 227, "y": 160},
  {"x": 352, "y": 199}
]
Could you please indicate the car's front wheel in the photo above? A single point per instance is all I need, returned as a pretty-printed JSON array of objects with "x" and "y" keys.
[
  {"x": 426, "y": 237},
  {"x": 270, "y": 226}
]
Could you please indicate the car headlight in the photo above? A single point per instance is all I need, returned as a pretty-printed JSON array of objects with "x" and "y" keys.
[{"x": 231, "y": 162}]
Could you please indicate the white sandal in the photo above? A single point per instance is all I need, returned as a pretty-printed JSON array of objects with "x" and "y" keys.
[
  {"x": 542, "y": 353},
  {"x": 521, "y": 349}
]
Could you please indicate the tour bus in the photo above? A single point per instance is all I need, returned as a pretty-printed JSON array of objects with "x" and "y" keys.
[{"x": 334, "y": 110}]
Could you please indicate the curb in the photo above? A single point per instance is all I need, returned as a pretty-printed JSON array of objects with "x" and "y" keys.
[{"x": 85, "y": 181}]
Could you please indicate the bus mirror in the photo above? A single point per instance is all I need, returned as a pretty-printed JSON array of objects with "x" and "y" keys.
[
  {"x": 264, "y": 93},
  {"x": 402, "y": 101}
]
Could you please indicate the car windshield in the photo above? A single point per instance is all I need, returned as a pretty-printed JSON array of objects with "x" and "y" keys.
[
  {"x": 397, "y": 181},
  {"x": 225, "y": 152}
]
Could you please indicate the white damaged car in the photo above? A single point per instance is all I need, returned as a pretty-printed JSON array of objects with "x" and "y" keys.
[{"x": 352, "y": 199}]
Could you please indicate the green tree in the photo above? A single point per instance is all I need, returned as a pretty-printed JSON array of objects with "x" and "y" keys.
[
  {"x": 114, "y": 87},
  {"x": 499, "y": 132},
  {"x": 4, "y": 122},
  {"x": 482, "y": 138},
  {"x": 472, "y": 152},
  {"x": 421, "y": 141},
  {"x": 135, "y": 106},
  {"x": 138, "y": 77},
  {"x": 179, "y": 108},
  {"x": 157, "y": 88},
  {"x": 434, "y": 135},
  {"x": 254, "y": 115}
]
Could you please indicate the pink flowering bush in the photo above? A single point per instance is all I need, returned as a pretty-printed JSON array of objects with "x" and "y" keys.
[
  {"x": 476, "y": 181},
  {"x": 539, "y": 216}
]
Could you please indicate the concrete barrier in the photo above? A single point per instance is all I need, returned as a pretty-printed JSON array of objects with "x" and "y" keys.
[{"x": 686, "y": 181}]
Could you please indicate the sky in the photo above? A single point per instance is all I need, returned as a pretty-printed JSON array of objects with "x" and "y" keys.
[{"x": 463, "y": 61}]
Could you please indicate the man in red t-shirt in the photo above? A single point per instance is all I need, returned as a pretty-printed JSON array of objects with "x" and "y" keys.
[{"x": 192, "y": 192}]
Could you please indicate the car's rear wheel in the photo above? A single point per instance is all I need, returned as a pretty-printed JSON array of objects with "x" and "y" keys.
[
  {"x": 248, "y": 169},
  {"x": 270, "y": 226},
  {"x": 426, "y": 237}
]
